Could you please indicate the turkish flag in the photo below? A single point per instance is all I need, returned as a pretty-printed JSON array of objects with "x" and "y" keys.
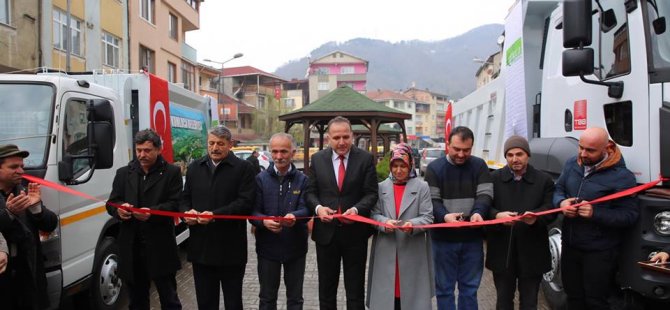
[
  {"x": 447, "y": 126},
  {"x": 159, "y": 105},
  {"x": 277, "y": 92}
]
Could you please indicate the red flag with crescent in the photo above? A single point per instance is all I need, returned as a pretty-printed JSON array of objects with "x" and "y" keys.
[
  {"x": 447, "y": 125},
  {"x": 159, "y": 106}
]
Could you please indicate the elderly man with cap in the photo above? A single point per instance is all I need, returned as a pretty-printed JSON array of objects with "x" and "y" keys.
[
  {"x": 22, "y": 216},
  {"x": 518, "y": 252}
]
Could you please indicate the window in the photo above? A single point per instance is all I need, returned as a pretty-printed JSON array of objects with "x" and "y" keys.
[
  {"x": 347, "y": 70},
  {"x": 173, "y": 25},
  {"x": 172, "y": 72},
  {"x": 612, "y": 45},
  {"x": 147, "y": 8},
  {"x": 193, "y": 4},
  {"x": 60, "y": 32},
  {"x": 110, "y": 50},
  {"x": 75, "y": 136},
  {"x": 261, "y": 102},
  {"x": 398, "y": 105},
  {"x": 187, "y": 76},
  {"x": 4, "y": 12},
  {"x": 322, "y": 71},
  {"x": 289, "y": 103},
  {"x": 323, "y": 86},
  {"x": 147, "y": 58}
]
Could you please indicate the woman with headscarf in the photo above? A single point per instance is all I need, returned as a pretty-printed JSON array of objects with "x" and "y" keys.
[{"x": 400, "y": 274}]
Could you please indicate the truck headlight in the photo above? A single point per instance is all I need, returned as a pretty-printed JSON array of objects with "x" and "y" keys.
[{"x": 662, "y": 223}]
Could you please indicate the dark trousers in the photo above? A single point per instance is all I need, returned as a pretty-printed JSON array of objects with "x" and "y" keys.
[
  {"x": 588, "y": 277},
  {"x": 353, "y": 254},
  {"x": 269, "y": 275},
  {"x": 506, "y": 284},
  {"x": 16, "y": 290},
  {"x": 208, "y": 279},
  {"x": 138, "y": 289}
]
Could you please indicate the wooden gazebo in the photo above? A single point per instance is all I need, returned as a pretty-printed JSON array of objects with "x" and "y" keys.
[{"x": 346, "y": 102}]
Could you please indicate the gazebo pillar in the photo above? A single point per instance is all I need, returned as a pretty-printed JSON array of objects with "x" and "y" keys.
[
  {"x": 322, "y": 130},
  {"x": 373, "y": 139},
  {"x": 404, "y": 131},
  {"x": 305, "y": 145}
]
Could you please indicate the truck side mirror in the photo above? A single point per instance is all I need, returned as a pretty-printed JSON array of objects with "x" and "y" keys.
[
  {"x": 101, "y": 132},
  {"x": 65, "y": 173},
  {"x": 578, "y": 61},
  {"x": 576, "y": 23},
  {"x": 659, "y": 25}
]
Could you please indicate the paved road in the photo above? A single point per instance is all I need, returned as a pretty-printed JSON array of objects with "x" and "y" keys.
[{"x": 486, "y": 294}]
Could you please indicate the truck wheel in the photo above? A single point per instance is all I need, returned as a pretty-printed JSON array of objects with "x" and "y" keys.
[
  {"x": 552, "y": 286},
  {"x": 107, "y": 287}
]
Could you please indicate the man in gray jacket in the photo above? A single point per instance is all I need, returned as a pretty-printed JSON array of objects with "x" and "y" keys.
[{"x": 4, "y": 251}]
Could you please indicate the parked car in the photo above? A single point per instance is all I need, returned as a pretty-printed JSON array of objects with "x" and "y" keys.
[
  {"x": 262, "y": 159},
  {"x": 427, "y": 156}
]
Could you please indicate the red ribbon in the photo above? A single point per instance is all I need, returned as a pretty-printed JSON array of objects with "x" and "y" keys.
[{"x": 357, "y": 218}]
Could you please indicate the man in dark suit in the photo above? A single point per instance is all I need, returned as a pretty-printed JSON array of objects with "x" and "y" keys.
[
  {"x": 147, "y": 245},
  {"x": 342, "y": 180},
  {"x": 218, "y": 184}
]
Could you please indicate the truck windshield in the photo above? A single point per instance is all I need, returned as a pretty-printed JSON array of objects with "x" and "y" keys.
[
  {"x": 660, "y": 43},
  {"x": 26, "y": 118}
]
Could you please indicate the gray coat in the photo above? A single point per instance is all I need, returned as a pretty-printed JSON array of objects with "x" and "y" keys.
[
  {"x": 3, "y": 245},
  {"x": 415, "y": 261}
]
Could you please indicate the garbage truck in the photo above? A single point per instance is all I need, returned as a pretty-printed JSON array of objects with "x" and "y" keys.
[
  {"x": 574, "y": 64},
  {"x": 78, "y": 128}
]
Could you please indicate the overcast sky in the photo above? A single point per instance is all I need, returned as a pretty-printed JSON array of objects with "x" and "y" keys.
[{"x": 272, "y": 32}]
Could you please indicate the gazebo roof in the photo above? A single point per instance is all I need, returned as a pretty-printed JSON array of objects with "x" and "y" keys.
[{"x": 346, "y": 102}]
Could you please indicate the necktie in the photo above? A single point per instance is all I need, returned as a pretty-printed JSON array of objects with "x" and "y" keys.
[{"x": 340, "y": 173}]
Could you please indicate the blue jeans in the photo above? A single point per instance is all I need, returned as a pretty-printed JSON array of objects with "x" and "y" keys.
[{"x": 461, "y": 262}]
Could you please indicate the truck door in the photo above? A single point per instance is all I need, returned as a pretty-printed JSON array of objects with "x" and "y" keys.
[
  {"x": 572, "y": 105},
  {"x": 81, "y": 219}
]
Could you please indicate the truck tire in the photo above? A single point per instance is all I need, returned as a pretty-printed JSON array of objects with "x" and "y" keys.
[
  {"x": 107, "y": 289},
  {"x": 552, "y": 286}
]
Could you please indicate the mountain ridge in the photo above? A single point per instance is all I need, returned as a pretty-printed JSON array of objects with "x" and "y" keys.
[{"x": 443, "y": 66}]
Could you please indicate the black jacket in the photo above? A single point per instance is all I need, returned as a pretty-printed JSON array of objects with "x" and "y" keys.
[
  {"x": 359, "y": 190},
  {"x": 530, "y": 243},
  {"x": 230, "y": 190},
  {"x": 158, "y": 190},
  {"x": 22, "y": 231},
  {"x": 255, "y": 163}
]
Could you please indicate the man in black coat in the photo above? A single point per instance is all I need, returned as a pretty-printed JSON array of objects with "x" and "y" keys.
[
  {"x": 342, "y": 179},
  {"x": 519, "y": 251},
  {"x": 22, "y": 216},
  {"x": 253, "y": 159},
  {"x": 218, "y": 184},
  {"x": 147, "y": 244}
]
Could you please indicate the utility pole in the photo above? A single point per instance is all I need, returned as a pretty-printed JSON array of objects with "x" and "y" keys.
[{"x": 220, "y": 88}]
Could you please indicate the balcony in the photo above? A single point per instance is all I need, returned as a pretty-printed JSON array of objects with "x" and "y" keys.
[
  {"x": 190, "y": 17},
  {"x": 351, "y": 77},
  {"x": 189, "y": 53}
]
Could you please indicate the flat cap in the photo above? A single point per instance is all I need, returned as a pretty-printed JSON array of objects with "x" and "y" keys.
[{"x": 11, "y": 150}]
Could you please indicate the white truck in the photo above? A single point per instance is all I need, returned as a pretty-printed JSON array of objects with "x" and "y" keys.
[
  {"x": 572, "y": 64},
  {"x": 78, "y": 129}
]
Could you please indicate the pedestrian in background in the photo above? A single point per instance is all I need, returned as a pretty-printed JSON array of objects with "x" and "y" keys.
[
  {"x": 147, "y": 245},
  {"x": 461, "y": 190},
  {"x": 400, "y": 274},
  {"x": 218, "y": 184},
  {"x": 591, "y": 234},
  {"x": 280, "y": 192},
  {"x": 518, "y": 252},
  {"x": 253, "y": 159}
]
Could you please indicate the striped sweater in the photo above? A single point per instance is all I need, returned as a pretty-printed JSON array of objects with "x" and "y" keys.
[{"x": 465, "y": 188}]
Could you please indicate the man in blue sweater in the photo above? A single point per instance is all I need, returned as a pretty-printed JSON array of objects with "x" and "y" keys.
[
  {"x": 280, "y": 192},
  {"x": 461, "y": 190},
  {"x": 592, "y": 233}
]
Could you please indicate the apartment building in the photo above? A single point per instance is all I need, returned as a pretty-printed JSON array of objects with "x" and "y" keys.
[
  {"x": 430, "y": 109},
  {"x": 19, "y": 35},
  {"x": 334, "y": 70},
  {"x": 398, "y": 101}
]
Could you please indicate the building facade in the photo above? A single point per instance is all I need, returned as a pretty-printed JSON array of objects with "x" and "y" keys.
[
  {"x": 398, "y": 101},
  {"x": 19, "y": 35},
  {"x": 430, "y": 110},
  {"x": 157, "y": 39},
  {"x": 489, "y": 70},
  {"x": 334, "y": 70}
]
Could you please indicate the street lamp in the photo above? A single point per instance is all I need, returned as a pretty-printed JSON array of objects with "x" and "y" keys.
[{"x": 220, "y": 84}]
